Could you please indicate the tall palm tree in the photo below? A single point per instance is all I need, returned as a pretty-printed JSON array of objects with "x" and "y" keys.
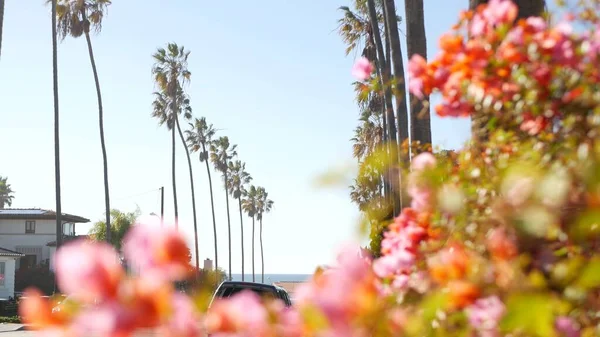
[
  {"x": 416, "y": 42},
  {"x": 384, "y": 70},
  {"x": 221, "y": 154},
  {"x": 238, "y": 179},
  {"x": 1, "y": 23},
  {"x": 199, "y": 139},
  {"x": 249, "y": 204},
  {"x": 187, "y": 114},
  {"x": 171, "y": 74},
  {"x": 56, "y": 129},
  {"x": 6, "y": 193},
  {"x": 76, "y": 18},
  {"x": 395, "y": 59},
  {"x": 264, "y": 205}
]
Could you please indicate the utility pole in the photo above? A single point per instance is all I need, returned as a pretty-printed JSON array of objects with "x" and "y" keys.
[{"x": 162, "y": 205}]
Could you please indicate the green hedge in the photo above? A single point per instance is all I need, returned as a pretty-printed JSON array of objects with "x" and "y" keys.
[{"x": 10, "y": 319}]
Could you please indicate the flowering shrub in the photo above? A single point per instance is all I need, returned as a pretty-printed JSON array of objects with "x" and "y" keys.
[{"x": 499, "y": 239}]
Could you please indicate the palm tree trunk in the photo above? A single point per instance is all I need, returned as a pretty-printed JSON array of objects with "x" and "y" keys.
[
  {"x": 262, "y": 256},
  {"x": 242, "y": 233},
  {"x": 228, "y": 223},
  {"x": 56, "y": 128},
  {"x": 420, "y": 120},
  {"x": 173, "y": 176},
  {"x": 383, "y": 71},
  {"x": 102, "y": 142},
  {"x": 212, "y": 206},
  {"x": 187, "y": 153},
  {"x": 1, "y": 23},
  {"x": 253, "y": 277}
]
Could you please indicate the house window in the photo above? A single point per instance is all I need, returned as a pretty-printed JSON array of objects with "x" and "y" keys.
[
  {"x": 28, "y": 261},
  {"x": 2, "y": 273},
  {"x": 29, "y": 227}
]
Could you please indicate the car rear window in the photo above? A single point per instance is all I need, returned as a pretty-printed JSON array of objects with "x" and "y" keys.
[{"x": 264, "y": 293}]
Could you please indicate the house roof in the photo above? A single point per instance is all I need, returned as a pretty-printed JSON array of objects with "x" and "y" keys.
[
  {"x": 10, "y": 253},
  {"x": 38, "y": 214},
  {"x": 67, "y": 238}
]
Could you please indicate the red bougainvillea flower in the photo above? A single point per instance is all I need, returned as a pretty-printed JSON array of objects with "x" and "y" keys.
[
  {"x": 88, "y": 271},
  {"x": 161, "y": 250},
  {"x": 362, "y": 69}
]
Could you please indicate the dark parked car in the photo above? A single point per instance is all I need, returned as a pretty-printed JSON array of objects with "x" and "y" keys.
[{"x": 230, "y": 288}]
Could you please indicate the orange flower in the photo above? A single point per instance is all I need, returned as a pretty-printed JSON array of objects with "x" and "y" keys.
[
  {"x": 451, "y": 43},
  {"x": 500, "y": 245},
  {"x": 37, "y": 311},
  {"x": 449, "y": 264},
  {"x": 462, "y": 294}
]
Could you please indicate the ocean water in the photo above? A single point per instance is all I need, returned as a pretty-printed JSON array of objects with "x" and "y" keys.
[{"x": 270, "y": 278}]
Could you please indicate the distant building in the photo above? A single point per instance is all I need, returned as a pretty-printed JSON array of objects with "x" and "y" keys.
[{"x": 208, "y": 264}]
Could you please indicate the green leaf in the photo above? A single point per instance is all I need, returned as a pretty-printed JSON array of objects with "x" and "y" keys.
[
  {"x": 590, "y": 275},
  {"x": 531, "y": 314}
]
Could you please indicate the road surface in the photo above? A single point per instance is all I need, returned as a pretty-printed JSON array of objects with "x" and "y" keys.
[{"x": 16, "y": 330}]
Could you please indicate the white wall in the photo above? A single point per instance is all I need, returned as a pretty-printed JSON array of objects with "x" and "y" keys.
[
  {"x": 8, "y": 289},
  {"x": 13, "y": 237}
]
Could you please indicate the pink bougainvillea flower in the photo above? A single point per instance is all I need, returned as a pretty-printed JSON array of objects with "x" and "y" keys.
[
  {"x": 500, "y": 12},
  {"x": 421, "y": 197},
  {"x": 106, "y": 320},
  {"x": 391, "y": 264},
  {"x": 88, "y": 271},
  {"x": 485, "y": 314},
  {"x": 417, "y": 67},
  {"x": 184, "y": 320},
  {"x": 422, "y": 161},
  {"x": 162, "y": 250},
  {"x": 362, "y": 69},
  {"x": 567, "y": 327},
  {"x": 242, "y": 312}
]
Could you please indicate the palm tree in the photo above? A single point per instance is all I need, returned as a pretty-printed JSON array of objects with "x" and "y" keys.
[
  {"x": 187, "y": 114},
  {"x": 199, "y": 139},
  {"x": 249, "y": 204},
  {"x": 238, "y": 179},
  {"x": 76, "y": 18},
  {"x": 264, "y": 205},
  {"x": 416, "y": 42},
  {"x": 1, "y": 23},
  {"x": 395, "y": 58},
  {"x": 121, "y": 221},
  {"x": 6, "y": 193},
  {"x": 56, "y": 129},
  {"x": 221, "y": 154},
  {"x": 171, "y": 74}
]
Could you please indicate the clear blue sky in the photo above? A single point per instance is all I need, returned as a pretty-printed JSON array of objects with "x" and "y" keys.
[{"x": 271, "y": 75}]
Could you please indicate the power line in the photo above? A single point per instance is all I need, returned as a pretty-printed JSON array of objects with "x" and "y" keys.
[{"x": 138, "y": 194}]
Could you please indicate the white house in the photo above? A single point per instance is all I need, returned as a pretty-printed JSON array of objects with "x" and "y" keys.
[
  {"x": 7, "y": 272},
  {"x": 32, "y": 233}
]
